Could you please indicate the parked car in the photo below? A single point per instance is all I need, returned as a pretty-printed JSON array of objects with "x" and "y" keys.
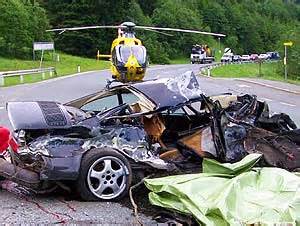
[
  {"x": 226, "y": 58},
  {"x": 97, "y": 144},
  {"x": 254, "y": 57},
  {"x": 245, "y": 58},
  {"x": 273, "y": 55},
  {"x": 236, "y": 58},
  {"x": 263, "y": 56}
]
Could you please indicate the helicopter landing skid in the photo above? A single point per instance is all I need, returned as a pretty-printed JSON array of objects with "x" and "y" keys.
[{"x": 109, "y": 82}]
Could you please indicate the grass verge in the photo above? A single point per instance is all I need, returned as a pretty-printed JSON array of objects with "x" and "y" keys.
[
  {"x": 268, "y": 71},
  {"x": 182, "y": 60},
  {"x": 67, "y": 65}
]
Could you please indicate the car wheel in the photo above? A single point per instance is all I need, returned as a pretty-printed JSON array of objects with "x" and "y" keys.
[{"x": 104, "y": 175}]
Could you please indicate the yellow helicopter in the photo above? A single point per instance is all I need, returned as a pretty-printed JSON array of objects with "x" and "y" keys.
[{"x": 128, "y": 55}]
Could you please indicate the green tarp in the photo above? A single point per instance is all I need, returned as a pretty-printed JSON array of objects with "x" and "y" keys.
[{"x": 231, "y": 194}]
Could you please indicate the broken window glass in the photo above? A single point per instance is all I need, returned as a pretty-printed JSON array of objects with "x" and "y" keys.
[
  {"x": 129, "y": 98},
  {"x": 101, "y": 104}
]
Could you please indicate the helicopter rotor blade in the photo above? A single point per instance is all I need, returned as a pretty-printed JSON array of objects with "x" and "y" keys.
[
  {"x": 153, "y": 29},
  {"x": 180, "y": 30},
  {"x": 160, "y": 32},
  {"x": 61, "y": 30}
]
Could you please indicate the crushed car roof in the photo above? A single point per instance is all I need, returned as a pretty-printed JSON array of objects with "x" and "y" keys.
[{"x": 170, "y": 92}]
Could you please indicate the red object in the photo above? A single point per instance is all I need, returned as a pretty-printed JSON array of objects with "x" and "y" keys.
[{"x": 4, "y": 139}]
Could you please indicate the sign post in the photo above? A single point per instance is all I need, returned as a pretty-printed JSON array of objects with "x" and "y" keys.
[
  {"x": 286, "y": 44},
  {"x": 42, "y": 46}
]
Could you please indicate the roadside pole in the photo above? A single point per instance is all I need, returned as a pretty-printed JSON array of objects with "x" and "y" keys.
[
  {"x": 259, "y": 68},
  {"x": 1, "y": 80},
  {"x": 285, "y": 62},
  {"x": 286, "y": 44},
  {"x": 98, "y": 55},
  {"x": 42, "y": 56}
]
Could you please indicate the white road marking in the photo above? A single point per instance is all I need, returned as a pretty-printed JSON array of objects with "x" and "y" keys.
[
  {"x": 266, "y": 99},
  {"x": 243, "y": 86},
  {"x": 287, "y": 104}
]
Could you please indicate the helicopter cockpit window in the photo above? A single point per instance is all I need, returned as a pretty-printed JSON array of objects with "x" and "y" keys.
[
  {"x": 124, "y": 52},
  {"x": 140, "y": 53}
]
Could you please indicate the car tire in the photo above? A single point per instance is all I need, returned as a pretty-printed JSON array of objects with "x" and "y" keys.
[{"x": 105, "y": 175}]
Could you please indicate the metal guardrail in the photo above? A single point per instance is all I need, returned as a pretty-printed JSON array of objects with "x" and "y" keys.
[
  {"x": 21, "y": 73},
  {"x": 207, "y": 68}
]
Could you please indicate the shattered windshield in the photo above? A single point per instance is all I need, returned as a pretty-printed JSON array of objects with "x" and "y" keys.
[
  {"x": 172, "y": 91},
  {"x": 186, "y": 84}
]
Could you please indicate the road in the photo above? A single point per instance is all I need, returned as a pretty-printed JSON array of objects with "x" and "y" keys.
[{"x": 19, "y": 208}]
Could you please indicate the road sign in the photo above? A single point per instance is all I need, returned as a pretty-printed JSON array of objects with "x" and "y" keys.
[
  {"x": 43, "y": 46},
  {"x": 227, "y": 51},
  {"x": 288, "y": 43}
]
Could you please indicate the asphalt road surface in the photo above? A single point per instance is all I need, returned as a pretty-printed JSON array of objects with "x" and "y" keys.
[{"x": 19, "y": 207}]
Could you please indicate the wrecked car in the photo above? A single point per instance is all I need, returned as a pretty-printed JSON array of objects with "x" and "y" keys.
[{"x": 99, "y": 143}]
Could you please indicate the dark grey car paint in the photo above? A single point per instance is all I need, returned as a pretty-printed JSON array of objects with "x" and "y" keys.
[
  {"x": 38, "y": 115},
  {"x": 62, "y": 154}
]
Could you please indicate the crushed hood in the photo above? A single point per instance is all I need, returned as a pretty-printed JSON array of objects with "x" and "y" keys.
[
  {"x": 38, "y": 115},
  {"x": 171, "y": 92}
]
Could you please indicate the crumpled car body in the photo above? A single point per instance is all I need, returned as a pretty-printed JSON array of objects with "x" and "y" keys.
[{"x": 165, "y": 125}]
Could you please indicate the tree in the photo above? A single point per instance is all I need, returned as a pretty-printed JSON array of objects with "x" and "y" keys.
[
  {"x": 21, "y": 23},
  {"x": 250, "y": 25},
  {"x": 177, "y": 14}
]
